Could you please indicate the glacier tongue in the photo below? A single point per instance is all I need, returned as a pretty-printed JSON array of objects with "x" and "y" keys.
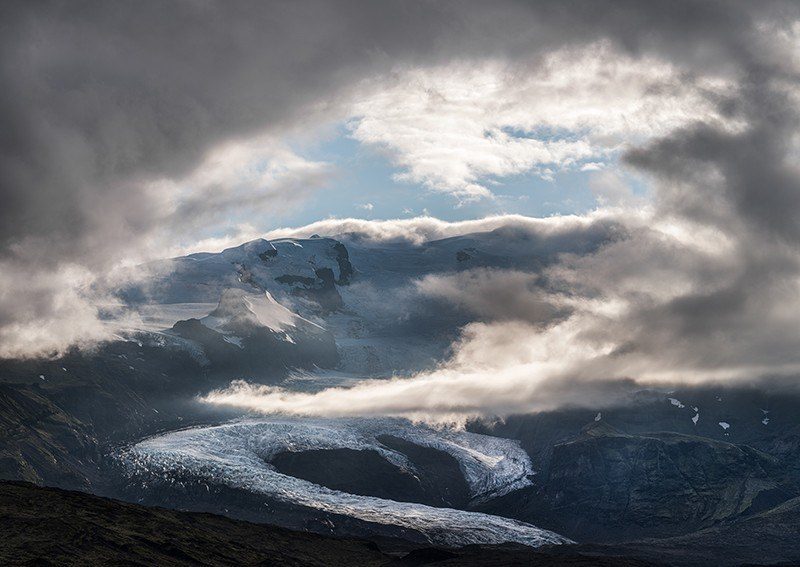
[{"x": 237, "y": 454}]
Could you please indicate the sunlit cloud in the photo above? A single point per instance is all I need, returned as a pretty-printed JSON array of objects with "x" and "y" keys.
[{"x": 456, "y": 126}]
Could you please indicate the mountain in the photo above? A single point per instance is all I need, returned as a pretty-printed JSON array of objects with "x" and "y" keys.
[
  {"x": 606, "y": 485},
  {"x": 56, "y": 527},
  {"x": 255, "y": 334},
  {"x": 71, "y": 528},
  {"x": 661, "y": 475},
  {"x": 361, "y": 291}
]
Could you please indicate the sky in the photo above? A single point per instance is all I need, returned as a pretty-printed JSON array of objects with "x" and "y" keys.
[
  {"x": 366, "y": 187},
  {"x": 134, "y": 131}
]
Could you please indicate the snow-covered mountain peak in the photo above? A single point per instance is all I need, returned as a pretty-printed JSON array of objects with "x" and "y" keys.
[{"x": 237, "y": 307}]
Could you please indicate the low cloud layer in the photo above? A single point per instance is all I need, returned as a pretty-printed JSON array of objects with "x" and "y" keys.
[
  {"x": 422, "y": 229},
  {"x": 670, "y": 303}
]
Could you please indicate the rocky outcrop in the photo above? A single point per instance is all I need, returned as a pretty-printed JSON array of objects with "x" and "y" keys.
[
  {"x": 59, "y": 417},
  {"x": 346, "y": 271},
  {"x": 321, "y": 289},
  {"x": 435, "y": 479},
  {"x": 606, "y": 485}
]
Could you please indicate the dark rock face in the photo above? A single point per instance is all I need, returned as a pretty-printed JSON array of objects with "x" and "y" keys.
[
  {"x": 436, "y": 480},
  {"x": 267, "y": 254},
  {"x": 40, "y": 442},
  {"x": 257, "y": 350},
  {"x": 220, "y": 353},
  {"x": 321, "y": 290},
  {"x": 58, "y": 417},
  {"x": 357, "y": 472},
  {"x": 606, "y": 483},
  {"x": 439, "y": 473},
  {"x": 346, "y": 270},
  {"x": 776, "y": 530},
  {"x": 262, "y": 353},
  {"x": 325, "y": 292},
  {"x": 771, "y": 537}
]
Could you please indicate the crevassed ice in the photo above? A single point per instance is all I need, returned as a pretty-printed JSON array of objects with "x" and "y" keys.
[{"x": 237, "y": 455}]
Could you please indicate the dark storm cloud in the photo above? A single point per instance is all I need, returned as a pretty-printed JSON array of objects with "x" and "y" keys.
[
  {"x": 98, "y": 94},
  {"x": 758, "y": 176},
  {"x": 100, "y": 98}
]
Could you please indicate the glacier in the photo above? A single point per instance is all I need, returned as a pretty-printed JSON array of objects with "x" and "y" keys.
[{"x": 237, "y": 454}]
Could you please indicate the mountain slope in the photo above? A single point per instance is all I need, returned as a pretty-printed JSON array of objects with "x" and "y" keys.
[
  {"x": 71, "y": 528},
  {"x": 652, "y": 484},
  {"x": 46, "y": 526}
]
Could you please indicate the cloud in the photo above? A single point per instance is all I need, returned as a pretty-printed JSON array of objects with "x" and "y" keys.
[
  {"x": 108, "y": 108},
  {"x": 701, "y": 285},
  {"x": 509, "y": 295},
  {"x": 453, "y": 127},
  {"x": 652, "y": 309},
  {"x": 46, "y": 317},
  {"x": 421, "y": 229},
  {"x": 246, "y": 179},
  {"x": 611, "y": 188},
  {"x": 497, "y": 370}
]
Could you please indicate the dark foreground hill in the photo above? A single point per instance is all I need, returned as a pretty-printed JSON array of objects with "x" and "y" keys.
[{"x": 48, "y": 526}]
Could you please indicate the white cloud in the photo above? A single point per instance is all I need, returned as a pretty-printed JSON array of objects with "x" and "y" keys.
[
  {"x": 236, "y": 183},
  {"x": 454, "y": 127},
  {"x": 421, "y": 229},
  {"x": 52, "y": 306},
  {"x": 52, "y": 314},
  {"x": 242, "y": 233},
  {"x": 239, "y": 175},
  {"x": 611, "y": 188}
]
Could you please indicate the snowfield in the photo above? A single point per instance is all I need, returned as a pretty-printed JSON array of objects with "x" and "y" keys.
[
  {"x": 237, "y": 454},
  {"x": 375, "y": 337}
]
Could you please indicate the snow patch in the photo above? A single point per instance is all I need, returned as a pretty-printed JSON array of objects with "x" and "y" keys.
[{"x": 234, "y": 340}]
